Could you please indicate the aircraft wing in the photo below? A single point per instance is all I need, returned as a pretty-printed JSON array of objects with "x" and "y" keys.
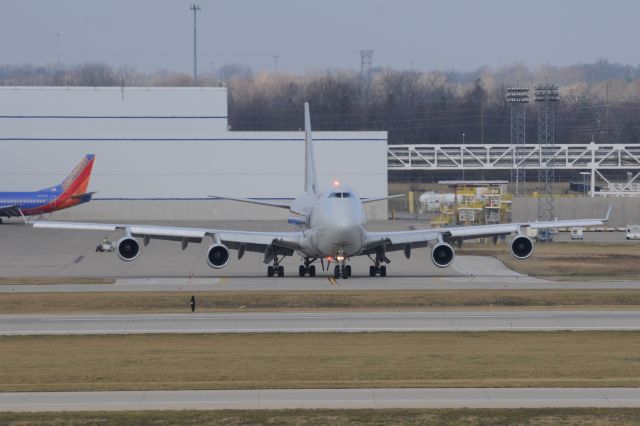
[
  {"x": 10, "y": 211},
  {"x": 400, "y": 240},
  {"x": 245, "y": 240},
  {"x": 387, "y": 197},
  {"x": 282, "y": 204}
]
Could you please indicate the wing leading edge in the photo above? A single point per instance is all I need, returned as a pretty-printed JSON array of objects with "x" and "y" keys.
[
  {"x": 246, "y": 240},
  {"x": 399, "y": 240}
]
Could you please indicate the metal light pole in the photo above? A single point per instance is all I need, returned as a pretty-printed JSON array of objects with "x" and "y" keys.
[
  {"x": 462, "y": 156},
  {"x": 195, "y": 8}
]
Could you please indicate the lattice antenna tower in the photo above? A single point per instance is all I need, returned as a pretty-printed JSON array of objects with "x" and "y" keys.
[
  {"x": 546, "y": 94},
  {"x": 366, "y": 59},
  {"x": 517, "y": 98}
]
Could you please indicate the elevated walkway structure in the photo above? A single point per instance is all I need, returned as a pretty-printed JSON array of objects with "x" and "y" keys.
[{"x": 592, "y": 157}]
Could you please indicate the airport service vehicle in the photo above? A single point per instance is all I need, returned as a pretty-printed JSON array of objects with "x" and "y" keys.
[
  {"x": 633, "y": 232},
  {"x": 71, "y": 192},
  {"x": 330, "y": 228},
  {"x": 576, "y": 233}
]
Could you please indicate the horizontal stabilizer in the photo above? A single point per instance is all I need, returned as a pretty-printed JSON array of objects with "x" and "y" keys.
[
  {"x": 282, "y": 204},
  {"x": 86, "y": 196},
  {"x": 388, "y": 197}
]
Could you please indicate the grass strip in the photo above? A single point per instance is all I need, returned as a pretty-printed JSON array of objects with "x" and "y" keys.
[
  {"x": 569, "y": 260},
  {"x": 319, "y": 360},
  {"x": 177, "y": 302},
  {"x": 471, "y": 417}
]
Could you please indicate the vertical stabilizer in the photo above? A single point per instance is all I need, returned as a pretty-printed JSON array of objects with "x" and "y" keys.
[
  {"x": 78, "y": 179},
  {"x": 310, "y": 177}
]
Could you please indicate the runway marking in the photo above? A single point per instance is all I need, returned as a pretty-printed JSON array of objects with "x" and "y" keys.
[{"x": 333, "y": 281}]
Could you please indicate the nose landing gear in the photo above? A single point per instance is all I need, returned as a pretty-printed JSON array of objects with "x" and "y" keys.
[
  {"x": 342, "y": 271},
  {"x": 307, "y": 268}
]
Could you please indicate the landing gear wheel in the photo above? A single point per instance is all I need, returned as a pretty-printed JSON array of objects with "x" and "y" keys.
[
  {"x": 346, "y": 271},
  {"x": 312, "y": 270},
  {"x": 373, "y": 271},
  {"x": 336, "y": 272},
  {"x": 281, "y": 271},
  {"x": 383, "y": 271},
  {"x": 270, "y": 271},
  {"x": 302, "y": 271}
]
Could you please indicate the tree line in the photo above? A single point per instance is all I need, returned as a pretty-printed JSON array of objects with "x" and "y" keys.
[{"x": 599, "y": 101}]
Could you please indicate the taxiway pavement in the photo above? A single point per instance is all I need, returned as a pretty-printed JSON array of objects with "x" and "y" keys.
[
  {"x": 298, "y": 322},
  {"x": 321, "y": 398}
]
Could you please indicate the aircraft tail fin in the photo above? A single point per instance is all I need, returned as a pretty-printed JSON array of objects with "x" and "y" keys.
[
  {"x": 78, "y": 180},
  {"x": 310, "y": 176}
]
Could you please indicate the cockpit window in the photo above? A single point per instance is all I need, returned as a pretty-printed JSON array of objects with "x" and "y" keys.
[{"x": 340, "y": 195}]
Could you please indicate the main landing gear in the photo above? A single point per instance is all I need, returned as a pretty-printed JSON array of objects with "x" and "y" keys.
[
  {"x": 276, "y": 269},
  {"x": 377, "y": 268},
  {"x": 307, "y": 268}
]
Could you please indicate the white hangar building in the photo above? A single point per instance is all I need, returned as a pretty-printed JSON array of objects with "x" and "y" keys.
[{"x": 160, "y": 153}]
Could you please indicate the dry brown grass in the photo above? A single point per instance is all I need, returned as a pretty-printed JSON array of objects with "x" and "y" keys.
[
  {"x": 382, "y": 417},
  {"x": 570, "y": 261},
  {"x": 175, "y": 302},
  {"x": 53, "y": 280},
  {"x": 319, "y": 360}
]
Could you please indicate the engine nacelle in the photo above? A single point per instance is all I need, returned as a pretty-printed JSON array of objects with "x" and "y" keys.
[
  {"x": 442, "y": 255},
  {"x": 521, "y": 247},
  {"x": 128, "y": 249},
  {"x": 217, "y": 256}
]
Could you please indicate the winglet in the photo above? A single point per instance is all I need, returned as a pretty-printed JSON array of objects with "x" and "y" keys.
[
  {"x": 310, "y": 177},
  {"x": 608, "y": 216}
]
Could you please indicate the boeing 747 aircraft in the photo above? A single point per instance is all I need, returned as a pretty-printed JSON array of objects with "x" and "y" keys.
[
  {"x": 71, "y": 192},
  {"x": 331, "y": 226}
]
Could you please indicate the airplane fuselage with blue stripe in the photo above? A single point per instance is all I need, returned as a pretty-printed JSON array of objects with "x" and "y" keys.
[{"x": 71, "y": 192}]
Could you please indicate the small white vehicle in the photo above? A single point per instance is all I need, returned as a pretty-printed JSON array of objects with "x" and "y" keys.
[
  {"x": 576, "y": 233},
  {"x": 633, "y": 232},
  {"x": 105, "y": 246}
]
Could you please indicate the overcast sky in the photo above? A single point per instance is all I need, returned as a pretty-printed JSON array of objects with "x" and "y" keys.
[{"x": 315, "y": 35}]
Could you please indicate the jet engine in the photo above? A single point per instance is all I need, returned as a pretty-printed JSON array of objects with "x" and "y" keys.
[
  {"x": 442, "y": 255},
  {"x": 521, "y": 247},
  {"x": 128, "y": 249},
  {"x": 218, "y": 256}
]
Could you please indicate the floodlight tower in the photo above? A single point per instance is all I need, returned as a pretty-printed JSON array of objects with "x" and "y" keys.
[
  {"x": 548, "y": 95},
  {"x": 517, "y": 98},
  {"x": 195, "y": 8},
  {"x": 366, "y": 59}
]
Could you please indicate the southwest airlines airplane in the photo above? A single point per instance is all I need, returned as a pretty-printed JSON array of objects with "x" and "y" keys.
[
  {"x": 71, "y": 192},
  {"x": 331, "y": 227}
]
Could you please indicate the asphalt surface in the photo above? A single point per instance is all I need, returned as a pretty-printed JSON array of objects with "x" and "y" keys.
[
  {"x": 319, "y": 322},
  {"x": 321, "y": 398}
]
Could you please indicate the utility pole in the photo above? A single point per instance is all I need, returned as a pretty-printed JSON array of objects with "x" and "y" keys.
[
  {"x": 195, "y": 8},
  {"x": 517, "y": 98},
  {"x": 547, "y": 95}
]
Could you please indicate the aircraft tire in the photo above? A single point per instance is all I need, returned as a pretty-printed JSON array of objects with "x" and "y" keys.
[
  {"x": 347, "y": 270},
  {"x": 270, "y": 271},
  {"x": 383, "y": 271},
  {"x": 336, "y": 272},
  {"x": 372, "y": 271},
  {"x": 302, "y": 271},
  {"x": 312, "y": 270},
  {"x": 281, "y": 271}
]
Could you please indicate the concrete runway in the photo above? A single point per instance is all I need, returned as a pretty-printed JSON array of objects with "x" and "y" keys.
[
  {"x": 298, "y": 322},
  {"x": 321, "y": 398}
]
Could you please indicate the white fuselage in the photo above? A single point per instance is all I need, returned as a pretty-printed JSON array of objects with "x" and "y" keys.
[{"x": 332, "y": 222}]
